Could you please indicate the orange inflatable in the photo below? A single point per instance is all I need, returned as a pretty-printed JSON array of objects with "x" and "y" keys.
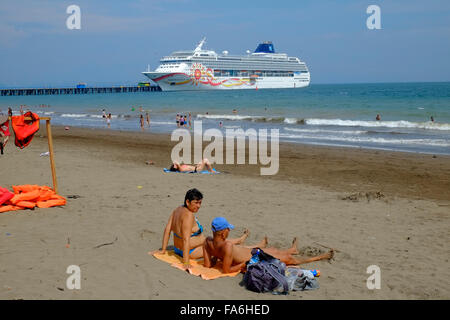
[{"x": 29, "y": 196}]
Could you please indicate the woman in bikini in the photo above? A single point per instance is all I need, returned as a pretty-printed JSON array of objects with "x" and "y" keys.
[
  {"x": 192, "y": 168},
  {"x": 188, "y": 235}
]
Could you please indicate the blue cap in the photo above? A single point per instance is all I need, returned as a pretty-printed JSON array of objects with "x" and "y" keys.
[{"x": 220, "y": 223}]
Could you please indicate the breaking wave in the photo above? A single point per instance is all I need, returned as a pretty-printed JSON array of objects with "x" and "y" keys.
[{"x": 387, "y": 124}]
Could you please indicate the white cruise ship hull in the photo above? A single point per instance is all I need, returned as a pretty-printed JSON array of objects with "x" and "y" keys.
[{"x": 179, "y": 81}]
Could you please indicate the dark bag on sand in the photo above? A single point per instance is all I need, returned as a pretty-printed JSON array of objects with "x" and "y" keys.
[{"x": 266, "y": 275}]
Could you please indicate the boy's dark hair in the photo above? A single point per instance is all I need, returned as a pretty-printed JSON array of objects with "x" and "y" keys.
[
  {"x": 193, "y": 194},
  {"x": 172, "y": 168}
]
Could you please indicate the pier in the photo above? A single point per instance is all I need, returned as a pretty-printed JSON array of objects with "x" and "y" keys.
[{"x": 86, "y": 90}]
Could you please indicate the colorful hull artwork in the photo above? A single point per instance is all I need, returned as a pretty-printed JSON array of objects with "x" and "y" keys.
[{"x": 201, "y": 77}]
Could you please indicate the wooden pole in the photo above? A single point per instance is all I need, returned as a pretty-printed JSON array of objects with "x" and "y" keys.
[
  {"x": 50, "y": 149},
  {"x": 52, "y": 159}
]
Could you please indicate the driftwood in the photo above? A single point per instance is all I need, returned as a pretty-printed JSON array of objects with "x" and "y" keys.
[{"x": 105, "y": 244}]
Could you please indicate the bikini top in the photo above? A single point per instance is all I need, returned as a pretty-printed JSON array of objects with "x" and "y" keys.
[{"x": 199, "y": 231}]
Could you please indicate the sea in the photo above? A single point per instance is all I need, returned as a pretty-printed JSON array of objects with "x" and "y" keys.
[{"x": 341, "y": 115}]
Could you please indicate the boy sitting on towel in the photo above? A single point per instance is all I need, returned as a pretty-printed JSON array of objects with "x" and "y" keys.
[{"x": 234, "y": 257}]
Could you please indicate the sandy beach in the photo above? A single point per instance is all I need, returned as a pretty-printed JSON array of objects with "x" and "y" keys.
[{"x": 389, "y": 209}]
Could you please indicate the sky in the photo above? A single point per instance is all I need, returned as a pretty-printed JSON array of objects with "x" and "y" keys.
[{"x": 119, "y": 39}]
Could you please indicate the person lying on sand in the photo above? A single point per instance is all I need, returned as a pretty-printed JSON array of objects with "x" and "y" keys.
[
  {"x": 195, "y": 168},
  {"x": 234, "y": 257},
  {"x": 187, "y": 231}
]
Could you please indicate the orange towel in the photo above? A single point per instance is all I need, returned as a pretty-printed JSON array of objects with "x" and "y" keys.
[{"x": 197, "y": 266}]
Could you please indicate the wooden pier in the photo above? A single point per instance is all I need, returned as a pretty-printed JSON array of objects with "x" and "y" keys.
[{"x": 87, "y": 90}]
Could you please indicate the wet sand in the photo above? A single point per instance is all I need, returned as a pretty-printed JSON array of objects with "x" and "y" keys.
[{"x": 388, "y": 209}]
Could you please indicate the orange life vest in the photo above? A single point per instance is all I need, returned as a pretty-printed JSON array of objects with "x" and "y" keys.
[
  {"x": 29, "y": 196},
  {"x": 25, "y": 129}
]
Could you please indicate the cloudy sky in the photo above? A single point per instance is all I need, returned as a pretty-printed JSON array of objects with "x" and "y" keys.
[{"x": 118, "y": 39}]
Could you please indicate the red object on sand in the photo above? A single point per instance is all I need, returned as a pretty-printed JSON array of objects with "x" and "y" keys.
[{"x": 5, "y": 195}]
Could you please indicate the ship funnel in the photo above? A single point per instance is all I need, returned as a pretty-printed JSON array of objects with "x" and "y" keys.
[{"x": 265, "y": 47}]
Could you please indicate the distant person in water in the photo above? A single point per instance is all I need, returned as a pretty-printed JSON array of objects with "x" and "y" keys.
[
  {"x": 10, "y": 113},
  {"x": 432, "y": 119},
  {"x": 108, "y": 120},
  {"x": 142, "y": 122},
  {"x": 177, "y": 167},
  {"x": 378, "y": 118},
  {"x": 148, "y": 119}
]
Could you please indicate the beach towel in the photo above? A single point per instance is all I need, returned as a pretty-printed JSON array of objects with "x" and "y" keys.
[
  {"x": 204, "y": 171},
  {"x": 197, "y": 266}
]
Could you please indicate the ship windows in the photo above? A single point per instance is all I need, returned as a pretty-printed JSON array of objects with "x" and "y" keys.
[{"x": 256, "y": 73}]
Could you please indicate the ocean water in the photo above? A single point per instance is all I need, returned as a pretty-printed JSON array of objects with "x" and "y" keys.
[{"x": 334, "y": 115}]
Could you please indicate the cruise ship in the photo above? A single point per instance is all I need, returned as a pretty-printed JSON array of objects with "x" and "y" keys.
[{"x": 201, "y": 69}]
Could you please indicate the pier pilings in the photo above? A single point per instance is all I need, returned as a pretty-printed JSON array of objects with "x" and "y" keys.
[{"x": 87, "y": 90}]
